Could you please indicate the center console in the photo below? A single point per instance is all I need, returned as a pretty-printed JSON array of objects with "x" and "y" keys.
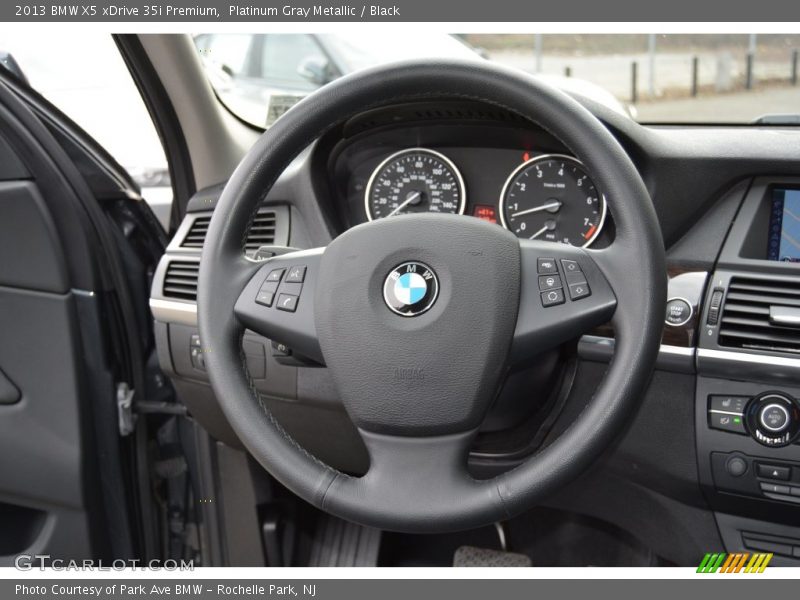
[{"x": 747, "y": 405}]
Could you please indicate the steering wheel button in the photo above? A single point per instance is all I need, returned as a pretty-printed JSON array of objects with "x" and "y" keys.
[
  {"x": 296, "y": 274},
  {"x": 570, "y": 266},
  {"x": 287, "y": 302},
  {"x": 546, "y": 266},
  {"x": 553, "y": 297},
  {"x": 265, "y": 297},
  {"x": 549, "y": 282},
  {"x": 575, "y": 277},
  {"x": 275, "y": 275},
  {"x": 269, "y": 286},
  {"x": 579, "y": 290}
]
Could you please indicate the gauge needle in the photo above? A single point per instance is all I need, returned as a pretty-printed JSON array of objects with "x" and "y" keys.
[
  {"x": 411, "y": 197},
  {"x": 538, "y": 233},
  {"x": 537, "y": 209}
]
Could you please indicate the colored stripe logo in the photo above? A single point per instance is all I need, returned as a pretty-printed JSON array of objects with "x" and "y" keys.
[{"x": 740, "y": 562}]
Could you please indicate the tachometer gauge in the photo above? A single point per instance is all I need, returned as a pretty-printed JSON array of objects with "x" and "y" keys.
[
  {"x": 552, "y": 198},
  {"x": 415, "y": 180}
]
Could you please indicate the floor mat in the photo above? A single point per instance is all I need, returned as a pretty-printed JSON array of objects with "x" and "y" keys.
[{"x": 470, "y": 556}]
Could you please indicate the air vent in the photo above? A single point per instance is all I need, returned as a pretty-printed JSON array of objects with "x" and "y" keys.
[
  {"x": 197, "y": 233},
  {"x": 180, "y": 280},
  {"x": 262, "y": 231},
  {"x": 746, "y": 321}
]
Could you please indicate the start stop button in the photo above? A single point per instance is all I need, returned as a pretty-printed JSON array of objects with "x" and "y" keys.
[{"x": 679, "y": 312}]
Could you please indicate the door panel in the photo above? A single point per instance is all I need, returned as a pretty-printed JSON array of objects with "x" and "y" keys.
[{"x": 42, "y": 505}]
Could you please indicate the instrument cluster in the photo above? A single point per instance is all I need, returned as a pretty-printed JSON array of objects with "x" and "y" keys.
[{"x": 521, "y": 180}]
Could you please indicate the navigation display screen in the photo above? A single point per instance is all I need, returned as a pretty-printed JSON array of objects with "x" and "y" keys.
[{"x": 784, "y": 226}]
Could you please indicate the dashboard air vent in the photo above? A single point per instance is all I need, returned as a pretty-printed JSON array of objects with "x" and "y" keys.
[
  {"x": 180, "y": 280},
  {"x": 197, "y": 233},
  {"x": 262, "y": 231},
  {"x": 761, "y": 314}
]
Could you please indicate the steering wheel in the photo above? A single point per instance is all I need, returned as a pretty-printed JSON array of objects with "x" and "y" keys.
[{"x": 418, "y": 317}]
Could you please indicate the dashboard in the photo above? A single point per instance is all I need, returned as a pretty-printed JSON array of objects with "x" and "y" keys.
[{"x": 728, "y": 201}]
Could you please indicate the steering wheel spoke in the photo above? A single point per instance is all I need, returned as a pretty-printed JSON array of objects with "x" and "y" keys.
[
  {"x": 563, "y": 294},
  {"x": 278, "y": 302}
]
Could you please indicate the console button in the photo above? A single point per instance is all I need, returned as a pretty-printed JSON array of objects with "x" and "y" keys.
[
  {"x": 679, "y": 312},
  {"x": 726, "y": 422},
  {"x": 733, "y": 404},
  {"x": 552, "y": 297},
  {"x": 774, "y": 417},
  {"x": 549, "y": 282},
  {"x": 714, "y": 306},
  {"x": 287, "y": 302},
  {"x": 296, "y": 274},
  {"x": 736, "y": 466},
  {"x": 579, "y": 290},
  {"x": 774, "y": 488},
  {"x": 774, "y": 472}
]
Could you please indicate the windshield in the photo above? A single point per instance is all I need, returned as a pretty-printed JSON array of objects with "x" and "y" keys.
[
  {"x": 369, "y": 50},
  {"x": 664, "y": 78}
]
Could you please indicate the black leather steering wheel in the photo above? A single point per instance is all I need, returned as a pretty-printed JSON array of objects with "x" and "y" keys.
[{"x": 417, "y": 387}]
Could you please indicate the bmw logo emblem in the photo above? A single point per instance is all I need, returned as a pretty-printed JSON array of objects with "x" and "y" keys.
[{"x": 410, "y": 289}]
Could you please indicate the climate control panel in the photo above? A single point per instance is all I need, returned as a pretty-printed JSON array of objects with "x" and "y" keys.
[{"x": 770, "y": 418}]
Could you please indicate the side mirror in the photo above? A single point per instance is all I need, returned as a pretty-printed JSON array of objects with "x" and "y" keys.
[
  {"x": 315, "y": 70},
  {"x": 11, "y": 65}
]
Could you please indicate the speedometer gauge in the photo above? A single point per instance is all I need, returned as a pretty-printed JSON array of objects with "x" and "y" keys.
[
  {"x": 412, "y": 181},
  {"x": 552, "y": 198}
]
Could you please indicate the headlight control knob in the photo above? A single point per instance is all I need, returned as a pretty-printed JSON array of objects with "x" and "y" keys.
[{"x": 773, "y": 419}]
